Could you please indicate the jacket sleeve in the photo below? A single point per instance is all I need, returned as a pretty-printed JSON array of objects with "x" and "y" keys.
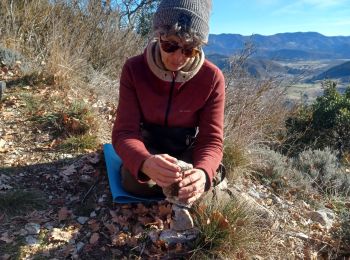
[
  {"x": 126, "y": 135},
  {"x": 208, "y": 150}
]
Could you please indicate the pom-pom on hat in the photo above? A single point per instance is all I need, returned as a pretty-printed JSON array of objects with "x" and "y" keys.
[{"x": 190, "y": 15}]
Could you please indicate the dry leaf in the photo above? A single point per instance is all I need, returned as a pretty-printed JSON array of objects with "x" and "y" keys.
[
  {"x": 120, "y": 239},
  {"x": 63, "y": 214},
  {"x": 164, "y": 210},
  {"x": 111, "y": 228},
  {"x": 222, "y": 221},
  {"x": 94, "y": 226},
  {"x": 141, "y": 209},
  {"x": 94, "y": 238}
]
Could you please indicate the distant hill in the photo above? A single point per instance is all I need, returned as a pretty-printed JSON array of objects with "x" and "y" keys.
[
  {"x": 257, "y": 67},
  {"x": 336, "y": 72},
  {"x": 283, "y": 46}
]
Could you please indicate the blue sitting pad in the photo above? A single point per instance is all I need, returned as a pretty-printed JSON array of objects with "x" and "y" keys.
[{"x": 113, "y": 163}]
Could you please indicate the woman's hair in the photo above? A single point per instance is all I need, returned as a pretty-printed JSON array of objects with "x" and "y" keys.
[{"x": 185, "y": 34}]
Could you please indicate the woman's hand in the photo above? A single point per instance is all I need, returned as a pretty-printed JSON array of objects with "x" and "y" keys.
[
  {"x": 162, "y": 169},
  {"x": 192, "y": 185}
]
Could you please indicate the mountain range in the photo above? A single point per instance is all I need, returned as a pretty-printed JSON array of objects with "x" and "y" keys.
[
  {"x": 291, "y": 46},
  {"x": 272, "y": 53}
]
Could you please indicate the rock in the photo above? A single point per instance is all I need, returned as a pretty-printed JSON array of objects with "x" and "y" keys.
[
  {"x": 182, "y": 219},
  {"x": 2, "y": 143},
  {"x": 79, "y": 247},
  {"x": 153, "y": 235},
  {"x": 82, "y": 220},
  {"x": 184, "y": 165},
  {"x": 32, "y": 228},
  {"x": 172, "y": 191},
  {"x": 173, "y": 237},
  {"x": 23, "y": 232},
  {"x": 48, "y": 226},
  {"x": 300, "y": 235},
  {"x": 2, "y": 88},
  {"x": 254, "y": 194},
  {"x": 324, "y": 216},
  {"x": 276, "y": 199},
  {"x": 262, "y": 211},
  {"x": 30, "y": 240}
]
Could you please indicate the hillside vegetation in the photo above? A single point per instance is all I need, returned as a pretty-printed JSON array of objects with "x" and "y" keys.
[
  {"x": 336, "y": 72},
  {"x": 288, "y": 167}
]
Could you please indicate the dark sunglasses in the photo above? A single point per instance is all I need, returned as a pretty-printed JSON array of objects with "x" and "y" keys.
[{"x": 170, "y": 47}]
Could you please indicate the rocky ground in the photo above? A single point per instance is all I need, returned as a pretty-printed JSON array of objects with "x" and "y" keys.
[{"x": 77, "y": 219}]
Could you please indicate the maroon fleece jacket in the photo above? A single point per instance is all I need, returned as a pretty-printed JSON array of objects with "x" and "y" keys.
[{"x": 143, "y": 97}]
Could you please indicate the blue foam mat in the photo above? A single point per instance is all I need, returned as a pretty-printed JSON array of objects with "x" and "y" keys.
[{"x": 113, "y": 163}]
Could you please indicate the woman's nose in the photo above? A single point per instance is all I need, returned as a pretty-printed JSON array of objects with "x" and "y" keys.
[{"x": 178, "y": 55}]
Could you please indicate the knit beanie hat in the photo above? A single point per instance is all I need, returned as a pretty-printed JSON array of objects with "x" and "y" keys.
[{"x": 191, "y": 15}]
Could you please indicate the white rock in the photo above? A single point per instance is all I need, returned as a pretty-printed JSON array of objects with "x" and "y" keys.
[
  {"x": 153, "y": 235},
  {"x": 324, "y": 216},
  {"x": 173, "y": 237},
  {"x": 182, "y": 219},
  {"x": 254, "y": 194},
  {"x": 30, "y": 240},
  {"x": 2, "y": 143},
  {"x": 32, "y": 228},
  {"x": 82, "y": 220},
  {"x": 79, "y": 247}
]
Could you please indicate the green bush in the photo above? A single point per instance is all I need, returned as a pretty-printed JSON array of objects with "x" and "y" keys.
[{"x": 325, "y": 123}]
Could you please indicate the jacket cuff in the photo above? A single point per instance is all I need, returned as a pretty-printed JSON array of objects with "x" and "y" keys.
[{"x": 209, "y": 173}]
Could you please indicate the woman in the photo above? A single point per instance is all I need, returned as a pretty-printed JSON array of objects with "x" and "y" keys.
[{"x": 171, "y": 107}]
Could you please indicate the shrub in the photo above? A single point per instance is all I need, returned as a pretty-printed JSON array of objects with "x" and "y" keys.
[
  {"x": 9, "y": 57},
  {"x": 277, "y": 170},
  {"x": 325, "y": 123},
  {"x": 324, "y": 171}
]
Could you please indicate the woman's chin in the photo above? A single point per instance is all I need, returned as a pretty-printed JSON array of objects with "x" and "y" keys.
[{"x": 174, "y": 67}]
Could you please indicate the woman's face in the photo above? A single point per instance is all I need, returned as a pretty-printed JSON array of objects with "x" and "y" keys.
[{"x": 175, "y": 60}]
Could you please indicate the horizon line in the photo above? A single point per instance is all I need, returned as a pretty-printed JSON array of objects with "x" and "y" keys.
[{"x": 305, "y": 32}]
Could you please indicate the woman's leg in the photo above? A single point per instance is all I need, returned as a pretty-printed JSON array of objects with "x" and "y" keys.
[{"x": 131, "y": 185}]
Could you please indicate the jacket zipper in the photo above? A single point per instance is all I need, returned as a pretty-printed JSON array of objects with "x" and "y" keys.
[{"x": 169, "y": 100}]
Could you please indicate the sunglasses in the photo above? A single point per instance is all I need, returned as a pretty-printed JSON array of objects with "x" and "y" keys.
[{"x": 170, "y": 47}]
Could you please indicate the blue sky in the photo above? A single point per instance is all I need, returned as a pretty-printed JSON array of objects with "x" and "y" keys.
[{"x": 267, "y": 17}]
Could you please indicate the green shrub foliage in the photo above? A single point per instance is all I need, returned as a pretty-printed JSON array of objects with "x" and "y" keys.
[{"x": 325, "y": 123}]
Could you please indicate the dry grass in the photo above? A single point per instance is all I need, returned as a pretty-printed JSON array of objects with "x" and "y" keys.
[
  {"x": 227, "y": 230},
  {"x": 23, "y": 201},
  {"x": 72, "y": 38},
  {"x": 254, "y": 113}
]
